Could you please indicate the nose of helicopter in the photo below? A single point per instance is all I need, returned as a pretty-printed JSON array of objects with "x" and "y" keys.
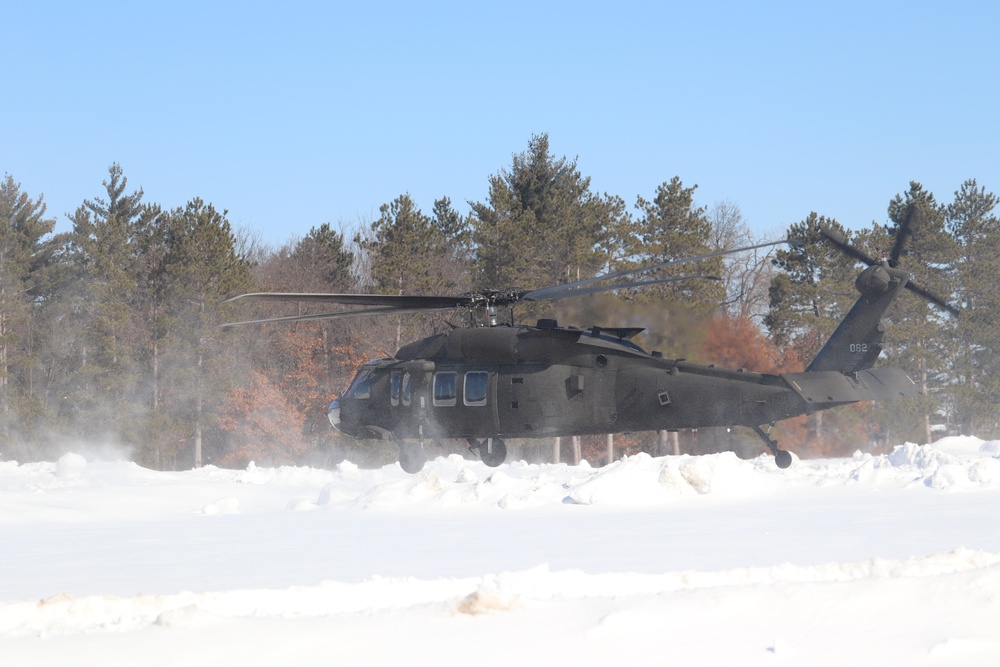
[{"x": 333, "y": 414}]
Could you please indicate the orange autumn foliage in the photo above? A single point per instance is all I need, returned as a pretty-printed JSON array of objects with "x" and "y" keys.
[
  {"x": 314, "y": 370},
  {"x": 736, "y": 342},
  {"x": 261, "y": 425}
]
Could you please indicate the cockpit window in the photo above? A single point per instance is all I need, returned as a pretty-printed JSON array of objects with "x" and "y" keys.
[
  {"x": 476, "y": 385},
  {"x": 445, "y": 389},
  {"x": 361, "y": 387}
]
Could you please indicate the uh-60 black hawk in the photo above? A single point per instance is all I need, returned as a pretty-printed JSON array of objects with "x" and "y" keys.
[{"x": 489, "y": 381}]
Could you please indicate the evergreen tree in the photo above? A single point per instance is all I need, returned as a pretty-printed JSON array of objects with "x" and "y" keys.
[
  {"x": 325, "y": 260},
  {"x": 670, "y": 227},
  {"x": 501, "y": 239},
  {"x": 973, "y": 223},
  {"x": 458, "y": 239},
  {"x": 808, "y": 298},
  {"x": 22, "y": 253},
  {"x": 920, "y": 336},
  {"x": 102, "y": 332},
  {"x": 814, "y": 290},
  {"x": 540, "y": 225},
  {"x": 201, "y": 269},
  {"x": 404, "y": 250}
]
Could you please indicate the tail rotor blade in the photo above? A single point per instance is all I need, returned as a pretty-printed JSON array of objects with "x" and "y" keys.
[
  {"x": 845, "y": 247},
  {"x": 932, "y": 298},
  {"x": 902, "y": 232}
]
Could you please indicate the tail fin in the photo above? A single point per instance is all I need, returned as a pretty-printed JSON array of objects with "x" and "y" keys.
[{"x": 857, "y": 342}]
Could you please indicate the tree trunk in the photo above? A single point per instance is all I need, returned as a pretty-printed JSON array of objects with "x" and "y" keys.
[
  {"x": 197, "y": 417},
  {"x": 4, "y": 369},
  {"x": 928, "y": 435}
]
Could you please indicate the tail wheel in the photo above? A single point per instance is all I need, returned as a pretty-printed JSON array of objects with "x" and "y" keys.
[
  {"x": 782, "y": 459},
  {"x": 493, "y": 452}
]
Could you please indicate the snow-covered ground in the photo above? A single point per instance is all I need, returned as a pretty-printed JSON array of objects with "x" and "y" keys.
[{"x": 682, "y": 560}]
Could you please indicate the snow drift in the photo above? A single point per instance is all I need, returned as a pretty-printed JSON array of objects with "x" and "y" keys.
[{"x": 706, "y": 560}]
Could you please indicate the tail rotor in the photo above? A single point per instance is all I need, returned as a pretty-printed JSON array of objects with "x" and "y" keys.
[{"x": 892, "y": 259}]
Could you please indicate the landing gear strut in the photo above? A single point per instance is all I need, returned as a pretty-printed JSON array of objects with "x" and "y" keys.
[
  {"x": 782, "y": 458},
  {"x": 492, "y": 451}
]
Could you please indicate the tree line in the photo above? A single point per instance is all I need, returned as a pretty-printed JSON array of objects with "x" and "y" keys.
[{"x": 109, "y": 332}]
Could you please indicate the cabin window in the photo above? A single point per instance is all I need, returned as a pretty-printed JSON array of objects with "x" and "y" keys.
[
  {"x": 407, "y": 389},
  {"x": 476, "y": 385},
  {"x": 395, "y": 385},
  {"x": 445, "y": 384},
  {"x": 361, "y": 387}
]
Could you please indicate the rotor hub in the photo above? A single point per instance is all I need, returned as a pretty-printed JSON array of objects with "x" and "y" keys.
[{"x": 874, "y": 281}]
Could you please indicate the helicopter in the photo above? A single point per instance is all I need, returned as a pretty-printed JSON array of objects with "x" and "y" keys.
[{"x": 493, "y": 380}]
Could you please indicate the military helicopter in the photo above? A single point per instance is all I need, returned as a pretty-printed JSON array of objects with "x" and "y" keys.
[{"x": 493, "y": 380}]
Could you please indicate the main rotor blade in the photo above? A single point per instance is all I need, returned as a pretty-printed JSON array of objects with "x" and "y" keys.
[
  {"x": 410, "y": 301},
  {"x": 542, "y": 294},
  {"x": 332, "y": 316},
  {"x": 581, "y": 291}
]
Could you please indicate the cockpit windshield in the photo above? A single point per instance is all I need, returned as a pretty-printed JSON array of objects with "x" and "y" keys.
[{"x": 361, "y": 386}]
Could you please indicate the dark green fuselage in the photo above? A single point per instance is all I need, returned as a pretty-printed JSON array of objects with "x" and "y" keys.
[{"x": 523, "y": 382}]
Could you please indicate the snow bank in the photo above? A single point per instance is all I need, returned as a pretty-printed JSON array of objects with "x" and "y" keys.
[
  {"x": 66, "y": 614},
  {"x": 642, "y": 480},
  {"x": 453, "y": 482},
  {"x": 890, "y": 559},
  {"x": 953, "y": 464}
]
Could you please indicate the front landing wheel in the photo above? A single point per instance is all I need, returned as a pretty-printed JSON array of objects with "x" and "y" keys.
[
  {"x": 493, "y": 452},
  {"x": 411, "y": 457}
]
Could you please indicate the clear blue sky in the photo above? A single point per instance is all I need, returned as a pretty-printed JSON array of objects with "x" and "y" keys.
[{"x": 291, "y": 114}]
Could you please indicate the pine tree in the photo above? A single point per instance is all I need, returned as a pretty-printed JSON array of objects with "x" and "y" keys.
[
  {"x": 808, "y": 298},
  {"x": 201, "y": 269},
  {"x": 103, "y": 332},
  {"x": 670, "y": 227},
  {"x": 458, "y": 240},
  {"x": 540, "y": 224},
  {"x": 22, "y": 254},
  {"x": 919, "y": 336},
  {"x": 404, "y": 250},
  {"x": 975, "y": 372},
  {"x": 325, "y": 260},
  {"x": 813, "y": 291}
]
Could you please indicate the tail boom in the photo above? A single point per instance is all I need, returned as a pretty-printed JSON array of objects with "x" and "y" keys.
[
  {"x": 857, "y": 342},
  {"x": 827, "y": 389}
]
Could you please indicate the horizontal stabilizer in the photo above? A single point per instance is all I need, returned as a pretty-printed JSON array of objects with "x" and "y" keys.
[{"x": 825, "y": 387}]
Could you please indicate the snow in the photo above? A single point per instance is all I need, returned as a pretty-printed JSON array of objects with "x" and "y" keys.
[{"x": 706, "y": 560}]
